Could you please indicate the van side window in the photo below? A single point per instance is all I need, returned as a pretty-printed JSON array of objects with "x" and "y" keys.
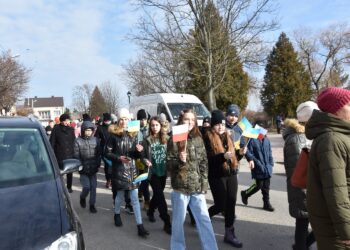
[{"x": 161, "y": 109}]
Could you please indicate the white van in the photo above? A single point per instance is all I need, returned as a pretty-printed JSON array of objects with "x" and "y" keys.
[{"x": 170, "y": 104}]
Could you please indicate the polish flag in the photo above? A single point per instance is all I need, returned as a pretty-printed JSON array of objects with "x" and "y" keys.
[{"x": 180, "y": 133}]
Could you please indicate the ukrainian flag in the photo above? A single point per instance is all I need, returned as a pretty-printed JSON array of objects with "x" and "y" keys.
[
  {"x": 251, "y": 133},
  {"x": 140, "y": 178},
  {"x": 134, "y": 126},
  {"x": 244, "y": 124}
]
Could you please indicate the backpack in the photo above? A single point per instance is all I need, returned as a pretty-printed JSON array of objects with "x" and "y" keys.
[{"x": 299, "y": 177}]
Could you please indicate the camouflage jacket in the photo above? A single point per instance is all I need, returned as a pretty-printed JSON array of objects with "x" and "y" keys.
[{"x": 192, "y": 176}]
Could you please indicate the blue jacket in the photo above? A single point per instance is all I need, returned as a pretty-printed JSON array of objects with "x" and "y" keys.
[{"x": 260, "y": 152}]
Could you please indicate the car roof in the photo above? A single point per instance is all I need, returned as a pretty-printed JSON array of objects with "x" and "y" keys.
[{"x": 19, "y": 122}]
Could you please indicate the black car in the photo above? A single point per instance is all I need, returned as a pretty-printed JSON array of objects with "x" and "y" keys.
[{"x": 35, "y": 207}]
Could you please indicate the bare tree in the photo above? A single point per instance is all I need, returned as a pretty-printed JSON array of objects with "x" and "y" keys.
[
  {"x": 166, "y": 26},
  {"x": 111, "y": 96},
  {"x": 325, "y": 53},
  {"x": 14, "y": 78},
  {"x": 82, "y": 97}
]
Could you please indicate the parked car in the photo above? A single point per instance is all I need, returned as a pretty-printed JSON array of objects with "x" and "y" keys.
[{"x": 35, "y": 208}]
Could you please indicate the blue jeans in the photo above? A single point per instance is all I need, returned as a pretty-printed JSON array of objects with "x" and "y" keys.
[
  {"x": 134, "y": 202},
  {"x": 198, "y": 205},
  {"x": 89, "y": 184}
]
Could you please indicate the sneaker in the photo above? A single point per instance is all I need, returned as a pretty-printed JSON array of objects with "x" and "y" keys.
[
  {"x": 82, "y": 203},
  {"x": 244, "y": 198},
  {"x": 129, "y": 209},
  {"x": 93, "y": 209},
  {"x": 70, "y": 190},
  {"x": 267, "y": 206}
]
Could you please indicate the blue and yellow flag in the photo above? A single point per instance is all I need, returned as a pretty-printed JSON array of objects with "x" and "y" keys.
[
  {"x": 140, "y": 178},
  {"x": 251, "y": 133},
  {"x": 134, "y": 126},
  {"x": 244, "y": 124}
]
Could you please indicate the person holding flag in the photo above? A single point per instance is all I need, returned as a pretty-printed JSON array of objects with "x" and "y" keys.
[
  {"x": 259, "y": 157},
  {"x": 223, "y": 169},
  {"x": 122, "y": 149},
  {"x": 188, "y": 166}
]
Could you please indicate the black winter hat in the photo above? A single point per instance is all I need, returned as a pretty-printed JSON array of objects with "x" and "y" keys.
[
  {"x": 86, "y": 117},
  {"x": 217, "y": 117},
  {"x": 107, "y": 117},
  {"x": 64, "y": 117},
  {"x": 141, "y": 114}
]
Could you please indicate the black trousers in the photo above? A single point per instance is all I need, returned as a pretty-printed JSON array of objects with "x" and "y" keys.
[
  {"x": 69, "y": 180},
  {"x": 263, "y": 185},
  {"x": 158, "y": 198},
  {"x": 144, "y": 188},
  {"x": 302, "y": 238},
  {"x": 224, "y": 192}
]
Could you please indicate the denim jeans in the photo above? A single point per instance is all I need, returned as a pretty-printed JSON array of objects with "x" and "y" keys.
[
  {"x": 89, "y": 184},
  {"x": 198, "y": 205},
  {"x": 134, "y": 202}
]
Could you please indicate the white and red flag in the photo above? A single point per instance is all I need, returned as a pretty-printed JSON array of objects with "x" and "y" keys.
[{"x": 180, "y": 132}]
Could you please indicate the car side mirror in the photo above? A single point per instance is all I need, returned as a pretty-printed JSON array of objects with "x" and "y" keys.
[{"x": 70, "y": 166}]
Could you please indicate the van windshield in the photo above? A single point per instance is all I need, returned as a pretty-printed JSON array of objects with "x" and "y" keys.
[{"x": 199, "y": 108}]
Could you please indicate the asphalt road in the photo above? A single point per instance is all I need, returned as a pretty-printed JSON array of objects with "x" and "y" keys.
[{"x": 256, "y": 228}]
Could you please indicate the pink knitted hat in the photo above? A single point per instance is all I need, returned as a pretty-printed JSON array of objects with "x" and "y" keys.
[{"x": 332, "y": 99}]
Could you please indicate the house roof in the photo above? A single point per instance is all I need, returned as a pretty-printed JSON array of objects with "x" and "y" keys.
[{"x": 40, "y": 102}]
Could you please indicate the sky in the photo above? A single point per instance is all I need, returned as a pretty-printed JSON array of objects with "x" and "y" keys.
[{"x": 68, "y": 43}]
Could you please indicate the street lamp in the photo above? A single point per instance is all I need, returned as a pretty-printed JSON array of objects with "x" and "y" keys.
[{"x": 129, "y": 94}]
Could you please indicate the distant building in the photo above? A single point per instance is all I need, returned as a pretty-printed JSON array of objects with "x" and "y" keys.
[{"x": 45, "y": 108}]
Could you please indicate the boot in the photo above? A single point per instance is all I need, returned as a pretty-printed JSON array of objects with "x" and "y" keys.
[
  {"x": 141, "y": 231},
  {"x": 167, "y": 228},
  {"x": 93, "y": 209},
  {"x": 150, "y": 215},
  {"x": 129, "y": 208},
  {"x": 82, "y": 203},
  {"x": 268, "y": 207},
  {"x": 231, "y": 238},
  {"x": 244, "y": 198},
  {"x": 117, "y": 220}
]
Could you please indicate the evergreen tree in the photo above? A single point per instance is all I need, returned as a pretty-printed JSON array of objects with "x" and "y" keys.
[
  {"x": 98, "y": 104},
  {"x": 286, "y": 82},
  {"x": 229, "y": 81}
]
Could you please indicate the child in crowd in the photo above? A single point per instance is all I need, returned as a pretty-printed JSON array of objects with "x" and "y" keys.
[
  {"x": 87, "y": 150},
  {"x": 259, "y": 157}
]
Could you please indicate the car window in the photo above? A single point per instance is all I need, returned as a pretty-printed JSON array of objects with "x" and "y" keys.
[
  {"x": 199, "y": 108},
  {"x": 23, "y": 157}
]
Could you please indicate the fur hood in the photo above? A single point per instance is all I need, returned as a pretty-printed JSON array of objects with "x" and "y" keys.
[
  {"x": 115, "y": 129},
  {"x": 293, "y": 123}
]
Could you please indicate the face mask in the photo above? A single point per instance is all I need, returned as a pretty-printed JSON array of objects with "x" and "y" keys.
[{"x": 107, "y": 122}]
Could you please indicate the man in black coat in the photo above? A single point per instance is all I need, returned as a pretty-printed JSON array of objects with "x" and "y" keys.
[{"x": 62, "y": 141}]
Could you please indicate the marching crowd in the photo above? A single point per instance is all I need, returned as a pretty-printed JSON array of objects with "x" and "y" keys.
[{"x": 209, "y": 157}]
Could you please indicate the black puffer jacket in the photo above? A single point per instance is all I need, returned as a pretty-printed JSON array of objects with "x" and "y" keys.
[
  {"x": 87, "y": 150},
  {"x": 121, "y": 143},
  {"x": 295, "y": 140},
  {"x": 62, "y": 141}
]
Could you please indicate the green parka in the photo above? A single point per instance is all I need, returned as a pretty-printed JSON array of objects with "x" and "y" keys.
[
  {"x": 192, "y": 176},
  {"x": 328, "y": 183}
]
